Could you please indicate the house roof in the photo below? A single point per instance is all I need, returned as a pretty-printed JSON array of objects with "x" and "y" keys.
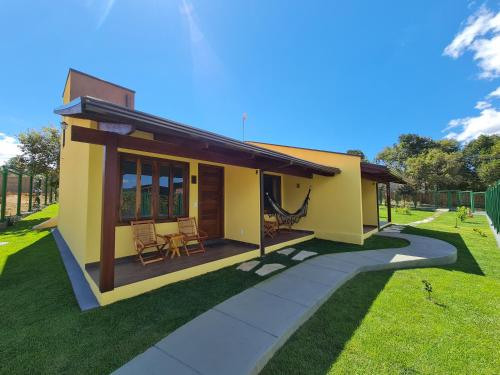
[
  {"x": 90, "y": 108},
  {"x": 380, "y": 173}
]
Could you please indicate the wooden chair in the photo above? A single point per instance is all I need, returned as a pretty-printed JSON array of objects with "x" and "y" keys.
[
  {"x": 189, "y": 228},
  {"x": 270, "y": 228},
  {"x": 145, "y": 237}
]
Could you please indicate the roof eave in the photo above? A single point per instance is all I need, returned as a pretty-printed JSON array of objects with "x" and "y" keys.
[{"x": 93, "y": 108}]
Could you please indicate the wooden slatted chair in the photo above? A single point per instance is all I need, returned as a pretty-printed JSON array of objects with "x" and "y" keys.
[
  {"x": 145, "y": 237},
  {"x": 189, "y": 228}
]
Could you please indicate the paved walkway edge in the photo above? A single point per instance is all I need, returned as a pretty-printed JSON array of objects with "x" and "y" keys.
[
  {"x": 83, "y": 294},
  {"x": 493, "y": 230},
  {"x": 241, "y": 334}
]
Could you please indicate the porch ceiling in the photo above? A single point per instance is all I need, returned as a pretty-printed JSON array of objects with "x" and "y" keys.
[
  {"x": 182, "y": 140},
  {"x": 379, "y": 173}
]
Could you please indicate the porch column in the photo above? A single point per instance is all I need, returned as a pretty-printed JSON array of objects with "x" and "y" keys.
[
  {"x": 110, "y": 199},
  {"x": 261, "y": 184},
  {"x": 376, "y": 197},
  {"x": 388, "y": 200}
]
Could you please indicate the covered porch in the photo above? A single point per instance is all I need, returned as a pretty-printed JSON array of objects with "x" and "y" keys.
[
  {"x": 129, "y": 270},
  {"x": 217, "y": 180},
  {"x": 374, "y": 176}
]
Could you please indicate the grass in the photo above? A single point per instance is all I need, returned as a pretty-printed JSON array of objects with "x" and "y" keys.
[
  {"x": 400, "y": 217},
  {"x": 382, "y": 322},
  {"x": 43, "y": 330}
]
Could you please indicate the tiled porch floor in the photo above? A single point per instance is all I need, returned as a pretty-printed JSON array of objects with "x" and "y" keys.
[{"x": 129, "y": 270}]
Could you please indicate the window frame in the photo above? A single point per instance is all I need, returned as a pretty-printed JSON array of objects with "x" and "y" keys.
[{"x": 155, "y": 196}]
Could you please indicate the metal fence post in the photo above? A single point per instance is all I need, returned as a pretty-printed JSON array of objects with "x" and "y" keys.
[
  {"x": 19, "y": 192},
  {"x": 5, "y": 173},
  {"x": 30, "y": 198}
]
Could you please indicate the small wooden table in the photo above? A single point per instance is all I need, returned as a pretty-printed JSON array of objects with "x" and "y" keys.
[{"x": 173, "y": 240}]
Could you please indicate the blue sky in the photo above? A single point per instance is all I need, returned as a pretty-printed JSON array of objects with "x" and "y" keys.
[{"x": 322, "y": 74}]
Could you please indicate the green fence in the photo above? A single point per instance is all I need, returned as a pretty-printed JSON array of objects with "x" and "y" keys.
[
  {"x": 21, "y": 192},
  {"x": 493, "y": 204}
]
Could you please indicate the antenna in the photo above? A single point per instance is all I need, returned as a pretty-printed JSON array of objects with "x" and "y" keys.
[{"x": 243, "y": 119}]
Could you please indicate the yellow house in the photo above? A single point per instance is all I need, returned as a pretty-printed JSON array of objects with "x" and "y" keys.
[{"x": 119, "y": 165}]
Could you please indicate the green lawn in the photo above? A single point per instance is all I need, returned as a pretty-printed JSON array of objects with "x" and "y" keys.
[
  {"x": 43, "y": 330},
  {"x": 382, "y": 323},
  {"x": 401, "y": 217}
]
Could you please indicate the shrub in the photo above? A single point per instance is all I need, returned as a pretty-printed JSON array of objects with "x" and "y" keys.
[{"x": 462, "y": 213}]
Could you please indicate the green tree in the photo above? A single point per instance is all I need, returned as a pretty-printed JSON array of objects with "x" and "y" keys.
[
  {"x": 436, "y": 169},
  {"x": 40, "y": 152},
  {"x": 482, "y": 159},
  {"x": 408, "y": 146},
  {"x": 357, "y": 152}
]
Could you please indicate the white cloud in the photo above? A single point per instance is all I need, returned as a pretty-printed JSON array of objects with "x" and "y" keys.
[
  {"x": 482, "y": 104},
  {"x": 495, "y": 93},
  {"x": 9, "y": 147},
  {"x": 102, "y": 8},
  {"x": 481, "y": 36},
  {"x": 488, "y": 123}
]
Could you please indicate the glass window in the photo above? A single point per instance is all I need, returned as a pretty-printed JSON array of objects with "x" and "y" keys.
[
  {"x": 129, "y": 187},
  {"x": 146, "y": 189},
  {"x": 178, "y": 196},
  {"x": 164, "y": 190}
]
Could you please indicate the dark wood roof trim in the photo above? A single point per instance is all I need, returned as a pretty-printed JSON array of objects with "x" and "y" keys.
[
  {"x": 99, "y": 110},
  {"x": 306, "y": 148},
  {"x": 380, "y": 173}
]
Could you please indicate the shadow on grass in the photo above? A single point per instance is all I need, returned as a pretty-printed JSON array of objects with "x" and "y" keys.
[
  {"x": 20, "y": 228},
  {"x": 345, "y": 310},
  {"x": 465, "y": 260},
  {"x": 315, "y": 347}
]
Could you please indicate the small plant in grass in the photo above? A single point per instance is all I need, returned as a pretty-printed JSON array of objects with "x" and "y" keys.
[
  {"x": 480, "y": 232},
  {"x": 462, "y": 213},
  {"x": 428, "y": 289}
]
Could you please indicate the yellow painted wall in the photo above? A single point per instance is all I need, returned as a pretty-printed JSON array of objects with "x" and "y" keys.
[
  {"x": 335, "y": 208},
  {"x": 241, "y": 205},
  {"x": 74, "y": 181},
  {"x": 369, "y": 195}
]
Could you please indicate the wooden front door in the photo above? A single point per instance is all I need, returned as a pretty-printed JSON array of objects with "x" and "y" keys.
[{"x": 211, "y": 200}]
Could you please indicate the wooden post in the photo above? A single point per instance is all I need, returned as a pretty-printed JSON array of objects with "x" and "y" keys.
[
  {"x": 46, "y": 191},
  {"x": 377, "y": 198},
  {"x": 19, "y": 192},
  {"x": 388, "y": 199},
  {"x": 30, "y": 198},
  {"x": 261, "y": 184},
  {"x": 110, "y": 200},
  {"x": 5, "y": 173}
]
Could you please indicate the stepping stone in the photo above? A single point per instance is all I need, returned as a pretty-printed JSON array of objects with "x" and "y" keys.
[
  {"x": 3, "y": 243},
  {"x": 304, "y": 254},
  {"x": 266, "y": 269},
  {"x": 248, "y": 266},
  {"x": 286, "y": 251}
]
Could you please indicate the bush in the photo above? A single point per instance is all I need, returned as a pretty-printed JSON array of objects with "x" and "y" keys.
[{"x": 462, "y": 213}]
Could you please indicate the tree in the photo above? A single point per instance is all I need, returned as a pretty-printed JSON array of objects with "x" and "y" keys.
[
  {"x": 436, "y": 169},
  {"x": 40, "y": 151},
  {"x": 357, "y": 152},
  {"x": 408, "y": 146},
  {"x": 482, "y": 158}
]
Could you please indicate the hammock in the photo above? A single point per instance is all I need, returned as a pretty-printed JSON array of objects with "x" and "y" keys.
[{"x": 283, "y": 217}]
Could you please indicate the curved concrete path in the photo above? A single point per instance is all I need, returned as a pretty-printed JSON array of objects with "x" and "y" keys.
[{"x": 241, "y": 334}]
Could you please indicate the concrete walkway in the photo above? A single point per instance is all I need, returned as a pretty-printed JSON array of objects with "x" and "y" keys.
[{"x": 241, "y": 334}]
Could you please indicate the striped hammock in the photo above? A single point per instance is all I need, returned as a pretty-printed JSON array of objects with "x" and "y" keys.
[{"x": 286, "y": 218}]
